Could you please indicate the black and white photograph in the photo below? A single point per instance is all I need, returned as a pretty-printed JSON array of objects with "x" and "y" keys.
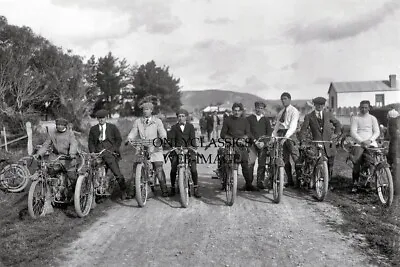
[{"x": 199, "y": 133}]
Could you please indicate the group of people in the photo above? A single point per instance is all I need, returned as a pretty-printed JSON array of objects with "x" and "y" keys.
[
  {"x": 320, "y": 123},
  {"x": 210, "y": 124}
]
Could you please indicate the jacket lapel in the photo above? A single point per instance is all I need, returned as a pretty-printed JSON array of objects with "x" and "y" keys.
[
  {"x": 314, "y": 115},
  {"x": 180, "y": 129},
  {"x": 141, "y": 128}
]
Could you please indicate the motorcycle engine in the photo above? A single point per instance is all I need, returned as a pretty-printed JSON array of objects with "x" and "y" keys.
[{"x": 60, "y": 188}]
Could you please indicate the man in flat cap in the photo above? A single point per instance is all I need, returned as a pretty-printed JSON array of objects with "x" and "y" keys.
[
  {"x": 106, "y": 135},
  {"x": 319, "y": 122},
  {"x": 236, "y": 129},
  {"x": 62, "y": 142},
  {"x": 183, "y": 134},
  {"x": 259, "y": 126},
  {"x": 150, "y": 127}
]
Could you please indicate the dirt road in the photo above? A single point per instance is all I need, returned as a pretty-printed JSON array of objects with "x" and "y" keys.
[{"x": 253, "y": 232}]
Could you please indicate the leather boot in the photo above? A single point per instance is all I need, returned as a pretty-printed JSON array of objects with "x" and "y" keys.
[
  {"x": 173, "y": 192},
  {"x": 261, "y": 177},
  {"x": 196, "y": 192}
]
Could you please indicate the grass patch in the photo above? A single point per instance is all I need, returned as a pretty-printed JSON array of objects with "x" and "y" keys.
[
  {"x": 363, "y": 214},
  {"x": 36, "y": 242}
]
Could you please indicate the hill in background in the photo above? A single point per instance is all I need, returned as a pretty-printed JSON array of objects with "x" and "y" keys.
[{"x": 195, "y": 101}]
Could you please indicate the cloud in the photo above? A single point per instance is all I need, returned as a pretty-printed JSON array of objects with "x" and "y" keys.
[
  {"x": 328, "y": 30},
  {"x": 323, "y": 80},
  {"x": 219, "y": 76},
  {"x": 217, "y": 21},
  {"x": 293, "y": 66},
  {"x": 244, "y": 46},
  {"x": 154, "y": 15}
]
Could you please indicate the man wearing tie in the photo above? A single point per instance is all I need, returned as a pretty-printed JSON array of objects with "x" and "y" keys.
[
  {"x": 107, "y": 136},
  {"x": 285, "y": 126},
  {"x": 183, "y": 134},
  {"x": 320, "y": 122},
  {"x": 150, "y": 127}
]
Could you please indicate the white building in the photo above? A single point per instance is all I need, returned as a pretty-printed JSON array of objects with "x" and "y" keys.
[{"x": 349, "y": 94}]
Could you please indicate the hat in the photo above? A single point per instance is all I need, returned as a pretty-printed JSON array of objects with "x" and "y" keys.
[
  {"x": 61, "y": 121},
  {"x": 146, "y": 105},
  {"x": 182, "y": 111},
  {"x": 259, "y": 104},
  {"x": 393, "y": 114},
  {"x": 102, "y": 113},
  {"x": 319, "y": 100}
]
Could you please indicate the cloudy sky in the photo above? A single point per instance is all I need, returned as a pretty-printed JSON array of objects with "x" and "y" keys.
[{"x": 259, "y": 46}]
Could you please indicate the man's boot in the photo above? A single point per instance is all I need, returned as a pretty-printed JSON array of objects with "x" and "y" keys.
[
  {"x": 196, "y": 192},
  {"x": 251, "y": 172},
  {"x": 261, "y": 177},
  {"x": 288, "y": 170},
  {"x": 173, "y": 192},
  {"x": 122, "y": 187}
]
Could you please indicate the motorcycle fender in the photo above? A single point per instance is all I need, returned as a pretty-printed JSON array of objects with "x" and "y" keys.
[{"x": 279, "y": 162}]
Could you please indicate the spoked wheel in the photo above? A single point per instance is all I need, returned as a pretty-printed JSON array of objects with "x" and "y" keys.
[
  {"x": 37, "y": 198},
  {"x": 384, "y": 185},
  {"x": 231, "y": 186},
  {"x": 277, "y": 184},
  {"x": 321, "y": 176},
  {"x": 14, "y": 177},
  {"x": 141, "y": 186},
  {"x": 83, "y": 197},
  {"x": 183, "y": 187}
]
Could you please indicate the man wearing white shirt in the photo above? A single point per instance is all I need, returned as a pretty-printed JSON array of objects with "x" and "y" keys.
[
  {"x": 365, "y": 130},
  {"x": 286, "y": 125}
]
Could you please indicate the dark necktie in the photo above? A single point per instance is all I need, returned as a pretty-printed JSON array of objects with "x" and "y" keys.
[
  {"x": 147, "y": 121},
  {"x": 282, "y": 119}
]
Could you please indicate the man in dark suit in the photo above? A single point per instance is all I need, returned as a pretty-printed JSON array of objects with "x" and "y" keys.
[
  {"x": 183, "y": 134},
  {"x": 259, "y": 126},
  {"x": 107, "y": 136},
  {"x": 320, "y": 122}
]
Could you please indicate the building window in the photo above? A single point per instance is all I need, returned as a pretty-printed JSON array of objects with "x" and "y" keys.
[
  {"x": 333, "y": 102},
  {"x": 379, "y": 100}
]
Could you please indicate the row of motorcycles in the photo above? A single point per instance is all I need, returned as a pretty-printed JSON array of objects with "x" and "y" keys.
[
  {"x": 52, "y": 187},
  {"x": 375, "y": 171}
]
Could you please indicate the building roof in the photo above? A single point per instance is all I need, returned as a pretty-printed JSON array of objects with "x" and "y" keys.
[{"x": 365, "y": 86}]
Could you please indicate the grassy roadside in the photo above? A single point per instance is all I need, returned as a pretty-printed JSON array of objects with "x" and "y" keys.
[
  {"x": 363, "y": 214},
  {"x": 29, "y": 242}
]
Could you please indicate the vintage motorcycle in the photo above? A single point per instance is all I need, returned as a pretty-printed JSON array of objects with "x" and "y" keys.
[{"x": 50, "y": 186}]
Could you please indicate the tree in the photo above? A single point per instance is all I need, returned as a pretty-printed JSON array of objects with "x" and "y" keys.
[
  {"x": 156, "y": 81},
  {"x": 90, "y": 76},
  {"x": 111, "y": 78}
]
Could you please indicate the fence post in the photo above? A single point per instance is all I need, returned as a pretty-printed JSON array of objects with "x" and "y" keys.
[
  {"x": 29, "y": 134},
  {"x": 5, "y": 138}
]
